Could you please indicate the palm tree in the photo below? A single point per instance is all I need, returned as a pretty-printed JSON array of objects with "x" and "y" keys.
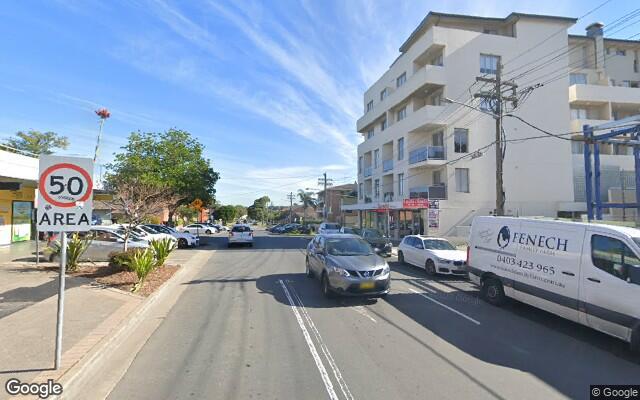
[{"x": 307, "y": 201}]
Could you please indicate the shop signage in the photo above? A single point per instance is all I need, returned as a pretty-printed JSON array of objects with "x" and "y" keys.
[{"x": 415, "y": 203}]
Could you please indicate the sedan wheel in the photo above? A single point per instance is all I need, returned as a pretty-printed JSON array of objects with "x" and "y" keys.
[
  {"x": 208, "y": 232},
  {"x": 430, "y": 267},
  {"x": 400, "y": 257},
  {"x": 308, "y": 268},
  {"x": 182, "y": 243},
  {"x": 326, "y": 288}
]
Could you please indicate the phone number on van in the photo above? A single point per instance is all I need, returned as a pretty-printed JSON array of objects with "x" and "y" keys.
[{"x": 526, "y": 264}]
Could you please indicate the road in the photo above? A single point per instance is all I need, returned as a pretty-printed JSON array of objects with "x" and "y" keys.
[{"x": 253, "y": 326}]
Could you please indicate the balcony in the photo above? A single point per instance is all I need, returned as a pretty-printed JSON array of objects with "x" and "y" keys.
[
  {"x": 368, "y": 171},
  {"x": 387, "y": 165},
  {"x": 367, "y": 199},
  {"x": 426, "y": 153},
  {"x": 604, "y": 94},
  {"x": 576, "y": 124},
  {"x": 434, "y": 192},
  {"x": 387, "y": 197}
]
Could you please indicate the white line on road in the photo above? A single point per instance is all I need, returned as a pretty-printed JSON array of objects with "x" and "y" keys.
[
  {"x": 312, "y": 348},
  {"x": 445, "y": 306},
  {"x": 363, "y": 311},
  {"x": 324, "y": 348}
]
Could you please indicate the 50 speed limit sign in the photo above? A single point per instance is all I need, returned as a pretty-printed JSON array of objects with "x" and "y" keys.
[{"x": 65, "y": 194}]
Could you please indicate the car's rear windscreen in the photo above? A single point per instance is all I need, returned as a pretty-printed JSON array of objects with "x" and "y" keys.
[{"x": 241, "y": 229}]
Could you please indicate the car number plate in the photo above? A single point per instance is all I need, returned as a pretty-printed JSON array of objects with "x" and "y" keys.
[{"x": 367, "y": 285}]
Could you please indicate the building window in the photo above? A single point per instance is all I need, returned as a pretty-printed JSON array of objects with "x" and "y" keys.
[
  {"x": 613, "y": 256},
  {"x": 438, "y": 60},
  {"x": 436, "y": 99},
  {"x": 401, "y": 149},
  {"x": 635, "y": 65},
  {"x": 579, "y": 113},
  {"x": 383, "y": 94},
  {"x": 402, "y": 113},
  {"x": 377, "y": 188},
  {"x": 401, "y": 79},
  {"x": 620, "y": 52},
  {"x": 461, "y": 140},
  {"x": 370, "y": 133},
  {"x": 462, "y": 180},
  {"x": 360, "y": 164},
  {"x": 360, "y": 193},
  {"x": 436, "y": 177},
  {"x": 490, "y": 31},
  {"x": 489, "y": 64},
  {"x": 370, "y": 106},
  {"x": 383, "y": 124},
  {"x": 400, "y": 184},
  {"x": 376, "y": 158},
  {"x": 485, "y": 104},
  {"x": 577, "y": 79}
]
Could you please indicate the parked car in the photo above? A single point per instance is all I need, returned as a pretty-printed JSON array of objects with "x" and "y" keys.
[
  {"x": 379, "y": 242},
  {"x": 350, "y": 230},
  {"x": 104, "y": 241},
  {"x": 328, "y": 227},
  {"x": 145, "y": 232},
  {"x": 435, "y": 255},
  {"x": 588, "y": 273},
  {"x": 199, "y": 229},
  {"x": 185, "y": 239},
  {"x": 347, "y": 265},
  {"x": 240, "y": 234},
  {"x": 274, "y": 227},
  {"x": 221, "y": 228}
]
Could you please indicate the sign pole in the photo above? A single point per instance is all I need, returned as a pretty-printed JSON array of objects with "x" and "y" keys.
[
  {"x": 63, "y": 267},
  {"x": 35, "y": 214}
]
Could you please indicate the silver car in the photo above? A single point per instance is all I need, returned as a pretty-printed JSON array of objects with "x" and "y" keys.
[{"x": 347, "y": 265}]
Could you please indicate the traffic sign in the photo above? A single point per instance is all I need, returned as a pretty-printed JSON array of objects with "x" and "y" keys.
[{"x": 65, "y": 194}]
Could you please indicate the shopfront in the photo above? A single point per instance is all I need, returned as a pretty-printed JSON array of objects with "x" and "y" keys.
[
  {"x": 415, "y": 217},
  {"x": 16, "y": 215}
]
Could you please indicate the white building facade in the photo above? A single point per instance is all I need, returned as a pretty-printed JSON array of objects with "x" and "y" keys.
[{"x": 417, "y": 145}]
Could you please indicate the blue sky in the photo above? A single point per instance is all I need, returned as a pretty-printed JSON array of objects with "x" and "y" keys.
[{"x": 272, "y": 88}]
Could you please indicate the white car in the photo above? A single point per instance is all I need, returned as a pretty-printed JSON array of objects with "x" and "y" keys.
[
  {"x": 435, "y": 255},
  {"x": 151, "y": 234},
  {"x": 221, "y": 227},
  {"x": 104, "y": 242},
  {"x": 240, "y": 234},
  {"x": 199, "y": 229},
  {"x": 185, "y": 239},
  {"x": 328, "y": 227}
]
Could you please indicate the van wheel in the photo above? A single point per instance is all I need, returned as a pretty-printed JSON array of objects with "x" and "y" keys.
[
  {"x": 492, "y": 291},
  {"x": 326, "y": 288},
  {"x": 400, "y": 257},
  {"x": 635, "y": 339},
  {"x": 430, "y": 267}
]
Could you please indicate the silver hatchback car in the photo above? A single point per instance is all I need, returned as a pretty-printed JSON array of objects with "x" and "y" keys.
[{"x": 347, "y": 265}]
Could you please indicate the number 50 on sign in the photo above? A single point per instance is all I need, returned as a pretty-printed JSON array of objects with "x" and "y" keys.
[{"x": 65, "y": 194}]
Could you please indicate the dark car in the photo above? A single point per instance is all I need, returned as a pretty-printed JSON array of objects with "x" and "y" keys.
[{"x": 380, "y": 243}]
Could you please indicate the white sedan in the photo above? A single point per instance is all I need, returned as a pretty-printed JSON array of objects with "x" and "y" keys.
[
  {"x": 435, "y": 255},
  {"x": 185, "y": 239},
  {"x": 240, "y": 234},
  {"x": 198, "y": 229}
]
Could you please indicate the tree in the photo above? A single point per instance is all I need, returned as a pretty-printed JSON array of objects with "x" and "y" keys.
[
  {"x": 172, "y": 159},
  {"x": 226, "y": 213},
  {"x": 307, "y": 200},
  {"x": 240, "y": 211},
  {"x": 38, "y": 142},
  {"x": 138, "y": 202},
  {"x": 259, "y": 210},
  {"x": 188, "y": 212}
]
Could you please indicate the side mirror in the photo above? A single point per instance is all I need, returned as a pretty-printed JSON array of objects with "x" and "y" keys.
[{"x": 633, "y": 275}]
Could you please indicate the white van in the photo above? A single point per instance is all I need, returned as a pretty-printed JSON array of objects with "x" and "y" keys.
[{"x": 588, "y": 273}]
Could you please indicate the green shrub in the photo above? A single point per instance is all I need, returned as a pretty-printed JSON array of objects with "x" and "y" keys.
[
  {"x": 142, "y": 263},
  {"x": 161, "y": 249},
  {"x": 76, "y": 247},
  {"x": 122, "y": 259}
]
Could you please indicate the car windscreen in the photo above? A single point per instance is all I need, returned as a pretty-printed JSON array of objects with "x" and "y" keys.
[
  {"x": 148, "y": 229},
  {"x": 432, "y": 244},
  {"x": 332, "y": 226},
  {"x": 347, "y": 247},
  {"x": 240, "y": 228}
]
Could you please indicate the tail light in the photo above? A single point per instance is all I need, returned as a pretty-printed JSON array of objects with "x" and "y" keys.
[{"x": 468, "y": 250}]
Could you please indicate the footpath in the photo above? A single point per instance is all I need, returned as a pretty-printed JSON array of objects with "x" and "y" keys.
[{"x": 93, "y": 315}]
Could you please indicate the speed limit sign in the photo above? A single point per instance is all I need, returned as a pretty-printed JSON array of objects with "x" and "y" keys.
[{"x": 65, "y": 194}]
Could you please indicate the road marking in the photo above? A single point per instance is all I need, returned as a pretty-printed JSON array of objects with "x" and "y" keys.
[
  {"x": 440, "y": 286},
  {"x": 312, "y": 348},
  {"x": 332, "y": 363},
  {"x": 363, "y": 311},
  {"x": 445, "y": 306}
]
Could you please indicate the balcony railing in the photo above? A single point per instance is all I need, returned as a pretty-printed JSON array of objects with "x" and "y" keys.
[
  {"x": 434, "y": 192},
  {"x": 368, "y": 171},
  {"x": 388, "y": 197},
  {"x": 426, "y": 153},
  {"x": 387, "y": 165}
]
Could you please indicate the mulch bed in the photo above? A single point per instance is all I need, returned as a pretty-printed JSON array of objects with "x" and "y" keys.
[{"x": 115, "y": 277}]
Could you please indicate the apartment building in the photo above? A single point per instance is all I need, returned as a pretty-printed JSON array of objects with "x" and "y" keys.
[{"x": 417, "y": 146}]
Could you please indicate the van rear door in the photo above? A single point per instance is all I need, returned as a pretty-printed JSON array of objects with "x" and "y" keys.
[{"x": 610, "y": 294}]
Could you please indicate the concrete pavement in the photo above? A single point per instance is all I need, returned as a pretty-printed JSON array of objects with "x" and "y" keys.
[{"x": 252, "y": 325}]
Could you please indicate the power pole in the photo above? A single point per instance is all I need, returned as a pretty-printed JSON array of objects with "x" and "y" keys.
[
  {"x": 325, "y": 182},
  {"x": 497, "y": 98},
  {"x": 290, "y": 197}
]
